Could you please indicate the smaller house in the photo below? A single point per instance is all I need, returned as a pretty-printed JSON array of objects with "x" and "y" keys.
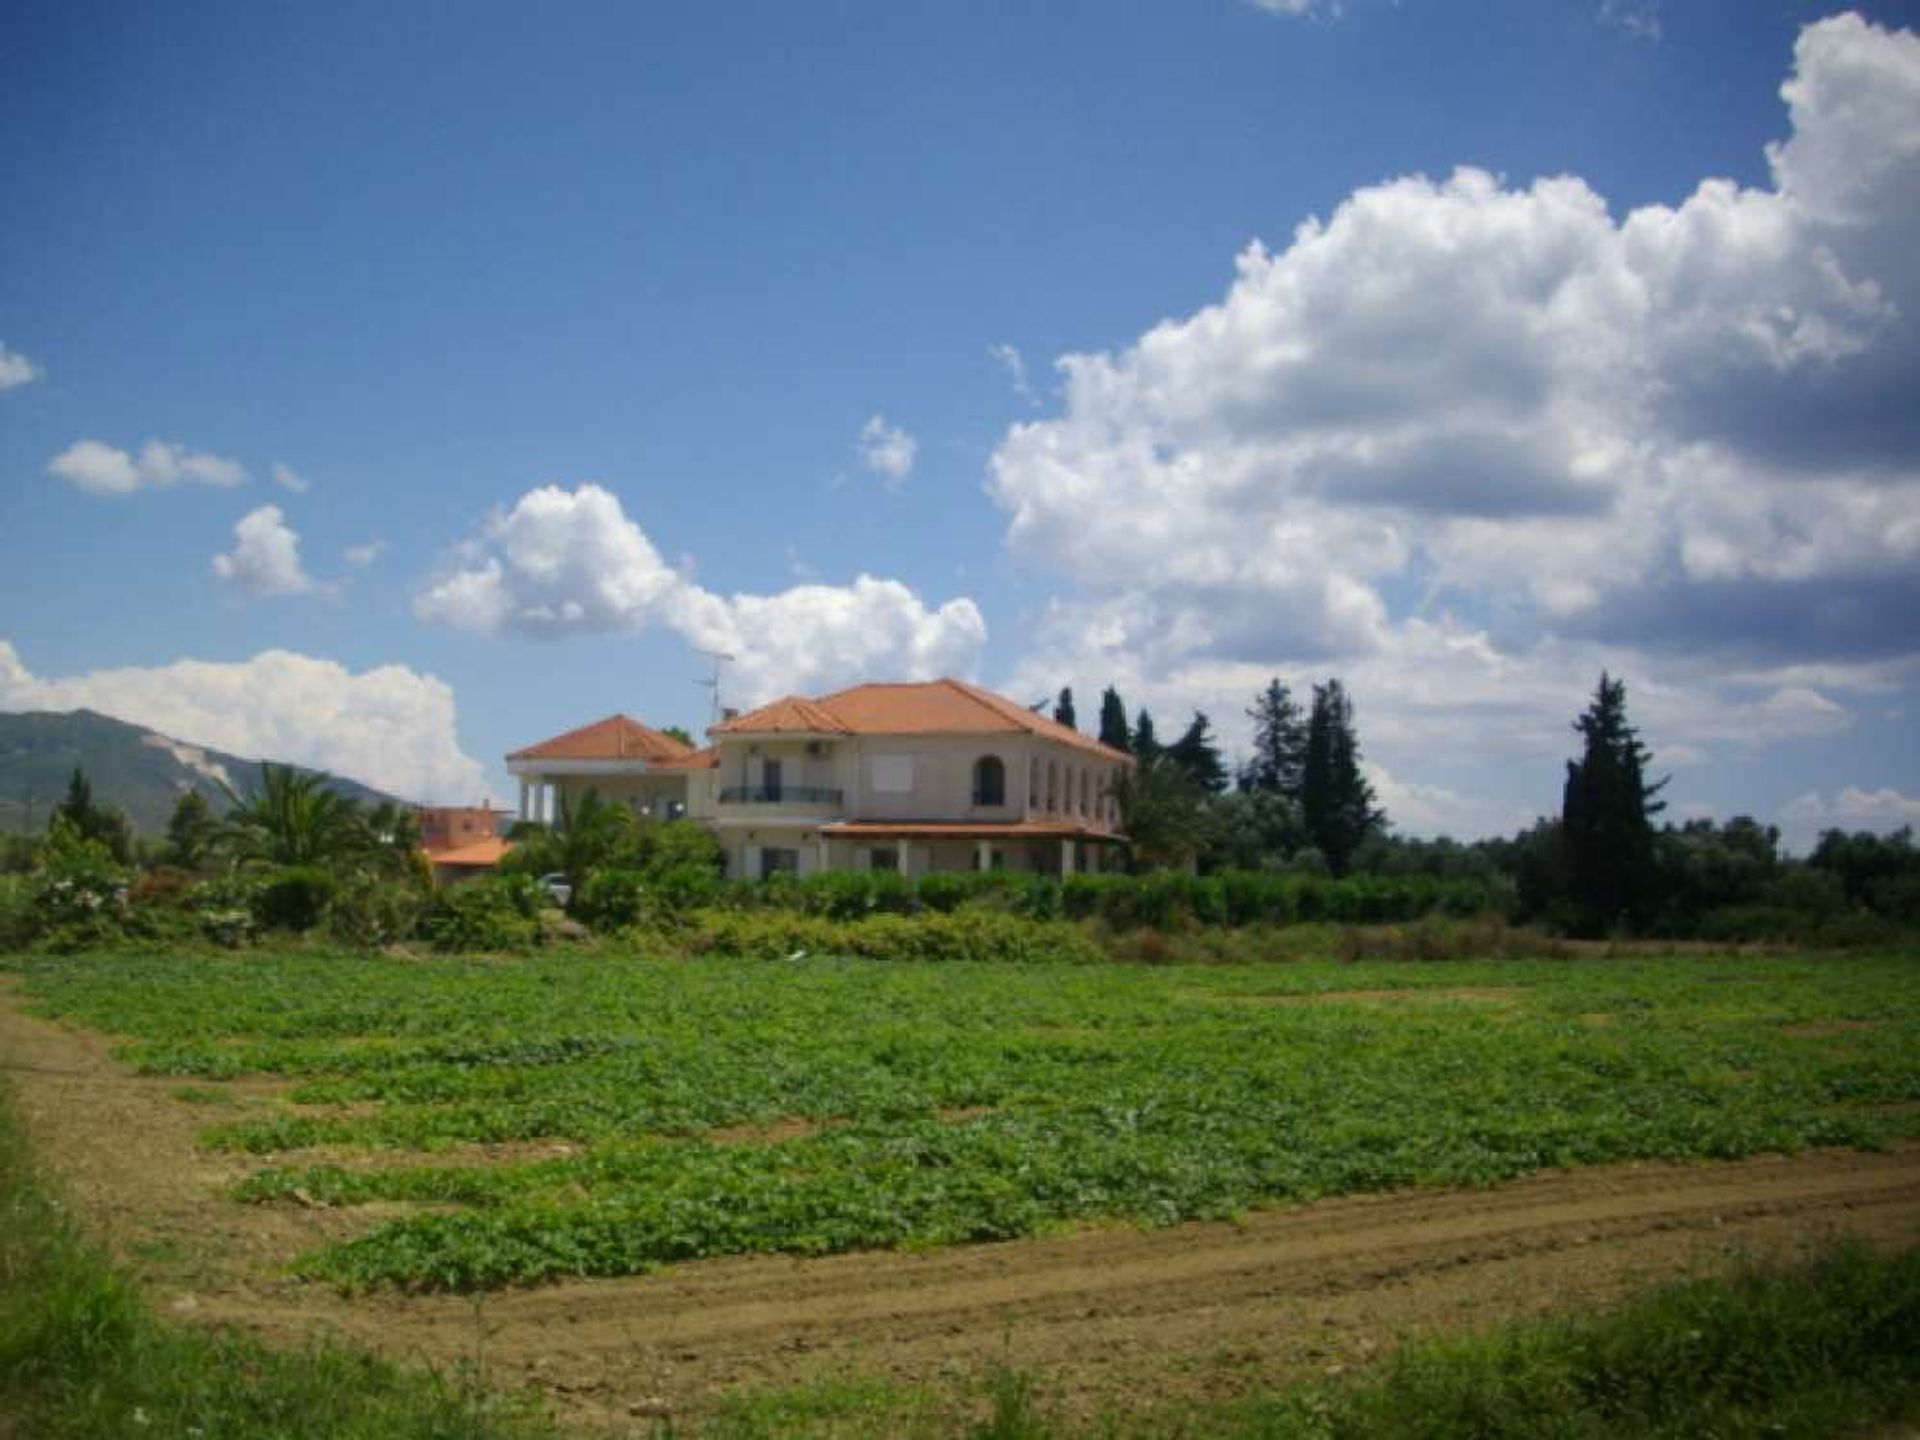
[
  {"x": 462, "y": 841},
  {"x": 627, "y": 762}
]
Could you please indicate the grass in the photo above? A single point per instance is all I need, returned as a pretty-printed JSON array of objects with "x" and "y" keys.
[
  {"x": 82, "y": 1358},
  {"x": 950, "y": 1103},
  {"x": 1821, "y": 1349}
]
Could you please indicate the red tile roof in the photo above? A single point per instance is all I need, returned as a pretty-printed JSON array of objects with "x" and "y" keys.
[
  {"x": 927, "y": 707},
  {"x": 617, "y": 737},
  {"x": 481, "y": 855},
  {"x": 707, "y": 759}
]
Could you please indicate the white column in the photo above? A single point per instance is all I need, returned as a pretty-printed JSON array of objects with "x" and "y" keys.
[
  {"x": 903, "y": 858},
  {"x": 823, "y": 853},
  {"x": 523, "y": 799},
  {"x": 983, "y": 851},
  {"x": 1066, "y": 857}
]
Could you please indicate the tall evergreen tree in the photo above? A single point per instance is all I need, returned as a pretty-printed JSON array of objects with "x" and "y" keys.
[
  {"x": 1279, "y": 743},
  {"x": 1198, "y": 754},
  {"x": 1606, "y": 815},
  {"x": 1146, "y": 746},
  {"x": 1335, "y": 799},
  {"x": 1113, "y": 721},
  {"x": 1063, "y": 708},
  {"x": 90, "y": 821}
]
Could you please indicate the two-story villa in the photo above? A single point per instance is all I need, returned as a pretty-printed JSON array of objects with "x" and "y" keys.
[{"x": 929, "y": 776}]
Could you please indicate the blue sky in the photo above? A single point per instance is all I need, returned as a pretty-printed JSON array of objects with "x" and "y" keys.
[{"x": 602, "y": 333}]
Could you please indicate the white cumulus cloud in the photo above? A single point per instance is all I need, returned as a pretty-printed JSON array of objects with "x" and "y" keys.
[
  {"x": 361, "y": 556},
  {"x": 265, "y": 559},
  {"x": 16, "y": 369},
  {"x": 103, "y": 469},
  {"x": 1625, "y": 428},
  {"x": 1009, "y": 358},
  {"x": 287, "y": 478},
  {"x": 887, "y": 450},
  {"x": 562, "y": 561},
  {"x": 390, "y": 727}
]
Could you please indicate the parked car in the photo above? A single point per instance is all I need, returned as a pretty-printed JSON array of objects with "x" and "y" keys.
[{"x": 559, "y": 889}]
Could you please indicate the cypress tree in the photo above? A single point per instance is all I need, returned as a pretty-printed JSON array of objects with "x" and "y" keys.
[
  {"x": 1279, "y": 743},
  {"x": 1606, "y": 815},
  {"x": 1063, "y": 708},
  {"x": 1113, "y": 721},
  {"x": 1335, "y": 799},
  {"x": 1145, "y": 745}
]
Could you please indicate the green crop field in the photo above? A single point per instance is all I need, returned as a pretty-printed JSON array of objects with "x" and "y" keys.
[{"x": 725, "y": 1107}]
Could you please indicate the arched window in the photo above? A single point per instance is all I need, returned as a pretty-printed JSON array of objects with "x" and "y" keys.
[
  {"x": 1053, "y": 788},
  {"x": 989, "y": 781},
  {"x": 1086, "y": 792},
  {"x": 1033, "y": 784}
]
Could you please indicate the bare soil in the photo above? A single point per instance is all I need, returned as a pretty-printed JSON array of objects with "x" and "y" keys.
[{"x": 1115, "y": 1317}]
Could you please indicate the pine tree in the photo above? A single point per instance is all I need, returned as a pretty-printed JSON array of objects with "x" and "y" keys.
[
  {"x": 1063, "y": 708},
  {"x": 1279, "y": 743},
  {"x": 1606, "y": 815},
  {"x": 1197, "y": 753},
  {"x": 1145, "y": 745},
  {"x": 1113, "y": 721},
  {"x": 94, "y": 822},
  {"x": 1335, "y": 799}
]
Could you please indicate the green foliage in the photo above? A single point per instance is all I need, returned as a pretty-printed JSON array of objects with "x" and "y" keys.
[
  {"x": 492, "y": 913},
  {"x": 1336, "y": 799},
  {"x": 192, "y": 830},
  {"x": 612, "y": 899},
  {"x": 980, "y": 1100},
  {"x": 105, "y": 827},
  {"x": 79, "y": 889},
  {"x": 1162, "y": 812},
  {"x": 1114, "y": 730},
  {"x": 1606, "y": 817},
  {"x": 293, "y": 819},
  {"x": 368, "y": 911},
  {"x": 1197, "y": 753},
  {"x": 294, "y": 898},
  {"x": 1063, "y": 709},
  {"x": 82, "y": 1358}
]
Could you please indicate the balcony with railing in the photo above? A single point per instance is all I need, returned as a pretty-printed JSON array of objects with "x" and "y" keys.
[{"x": 780, "y": 795}]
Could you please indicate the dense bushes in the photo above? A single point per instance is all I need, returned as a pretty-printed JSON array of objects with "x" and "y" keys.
[
  {"x": 966, "y": 935},
  {"x": 1160, "y": 901},
  {"x": 498, "y": 912}
]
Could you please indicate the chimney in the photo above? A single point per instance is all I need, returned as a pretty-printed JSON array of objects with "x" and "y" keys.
[{"x": 729, "y": 712}]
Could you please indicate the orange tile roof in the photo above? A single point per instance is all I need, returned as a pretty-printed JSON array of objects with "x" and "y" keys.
[
  {"x": 617, "y": 737},
  {"x": 925, "y": 707},
  {"x": 788, "y": 715},
  {"x": 482, "y": 854},
  {"x": 707, "y": 759}
]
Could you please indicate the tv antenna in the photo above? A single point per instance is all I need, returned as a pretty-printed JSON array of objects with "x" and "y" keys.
[{"x": 719, "y": 658}]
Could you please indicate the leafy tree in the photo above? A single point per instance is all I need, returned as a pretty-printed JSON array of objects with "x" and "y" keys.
[
  {"x": 1063, "y": 708},
  {"x": 1197, "y": 753},
  {"x": 1253, "y": 830},
  {"x": 1145, "y": 746},
  {"x": 192, "y": 830},
  {"x": 1279, "y": 743},
  {"x": 1606, "y": 816},
  {"x": 1163, "y": 813},
  {"x": 589, "y": 834},
  {"x": 1336, "y": 801},
  {"x": 89, "y": 821},
  {"x": 294, "y": 819},
  {"x": 680, "y": 733},
  {"x": 1113, "y": 721}
]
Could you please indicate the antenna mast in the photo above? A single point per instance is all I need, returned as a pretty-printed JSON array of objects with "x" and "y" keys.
[{"x": 719, "y": 658}]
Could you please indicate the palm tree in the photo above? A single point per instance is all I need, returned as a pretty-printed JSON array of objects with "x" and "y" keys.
[
  {"x": 1163, "y": 813},
  {"x": 294, "y": 819}
]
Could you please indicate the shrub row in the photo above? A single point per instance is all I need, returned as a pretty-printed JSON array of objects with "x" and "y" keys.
[
  {"x": 966, "y": 935},
  {"x": 1158, "y": 901}
]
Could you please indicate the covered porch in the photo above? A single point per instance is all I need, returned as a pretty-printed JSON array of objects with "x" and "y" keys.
[{"x": 945, "y": 847}]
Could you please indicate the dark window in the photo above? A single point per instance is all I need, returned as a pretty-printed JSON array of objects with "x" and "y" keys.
[
  {"x": 989, "y": 781},
  {"x": 778, "y": 862}
]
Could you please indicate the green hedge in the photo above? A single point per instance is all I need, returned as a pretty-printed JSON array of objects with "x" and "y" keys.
[
  {"x": 974, "y": 934},
  {"x": 1160, "y": 901}
]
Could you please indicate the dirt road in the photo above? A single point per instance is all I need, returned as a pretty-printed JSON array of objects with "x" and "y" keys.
[{"x": 1112, "y": 1315}]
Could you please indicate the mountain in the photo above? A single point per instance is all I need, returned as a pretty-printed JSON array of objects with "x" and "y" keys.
[{"x": 134, "y": 768}]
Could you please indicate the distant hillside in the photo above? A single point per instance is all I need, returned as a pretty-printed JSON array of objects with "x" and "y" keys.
[{"x": 141, "y": 772}]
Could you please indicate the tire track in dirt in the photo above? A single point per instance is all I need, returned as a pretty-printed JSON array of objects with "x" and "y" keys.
[{"x": 1113, "y": 1316}]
